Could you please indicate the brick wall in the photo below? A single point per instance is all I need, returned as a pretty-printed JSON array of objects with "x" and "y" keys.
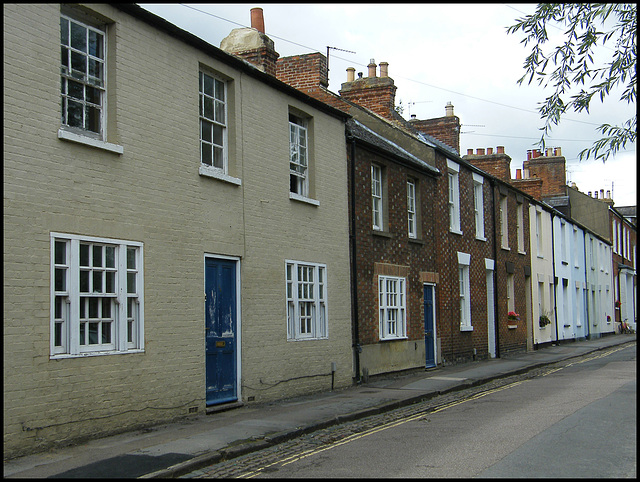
[
  {"x": 445, "y": 129},
  {"x": 304, "y": 72},
  {"x": 552, "y": 171},
  {"x": 377, "y": 94},
  {"x": 497, "y": 164}
]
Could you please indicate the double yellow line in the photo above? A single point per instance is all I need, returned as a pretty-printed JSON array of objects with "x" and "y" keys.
[{"x": 388, "y": 425}]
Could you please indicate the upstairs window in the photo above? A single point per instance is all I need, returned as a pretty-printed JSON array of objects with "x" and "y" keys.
[
  {"x": 454, "y": 197},
  {"x": 478, "y": 205},
  {"x": 376, "y": 197},
  {"x": 213, "y": 122},
  {"x": 82, "y": 77},
  {"x": 539, "y": 233},
  {"x": 298, "y": 156},
  {"x": 504, "y": 223},
  {"x": 464, "y": 288},
  {"x": 411, "y": 209},
  {"x": 520, "y": 226}
]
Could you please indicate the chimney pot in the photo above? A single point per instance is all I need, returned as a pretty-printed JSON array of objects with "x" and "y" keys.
[
  {"x": 350, "y": 74},
  {"x": 608, "y": 194},
  {"x": 448, "y": 109},
  {"x": 549, "y": 152},
  {"x": 489, "y": 150},
  {"x": 500, "y": 149},
  {"x": 589, "y": 194},
  {"x": 528, "y": 155},
  {"x": 557, "y": 152},
  {"x": 257, "y": 19},
  {"x": 384, "y": 69},
  {"x": 518, "y": 174},
  {"x": 602, "y": 193},
  {"x": 469, "y": 152},
  {"x": 413, "y": 116},
  {"x": 480, "y": 151},
  {"x": 372, "y": 68}
]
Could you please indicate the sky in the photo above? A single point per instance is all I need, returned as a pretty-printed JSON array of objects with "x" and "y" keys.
[{"x": 438, "y": 53}]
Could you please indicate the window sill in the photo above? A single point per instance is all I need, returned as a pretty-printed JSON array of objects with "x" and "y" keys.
[
  {"x": 416, "y": 241},
  {"x": 89, "y": 141},
  {"x": 62, "y": 356},
  {"x": 214, "y": 173},
  {"x": 455, "y": 231},
  {"x": 505, "y": 248},
  {"x": 397, "y": 338},
  {"x": 522, "y": 252},
  {"x": 307, "y": 200},
  {"x": 382, "y": 234},
  {"x": 481, "y": 238},
  {"x": 466, "y": 328}
]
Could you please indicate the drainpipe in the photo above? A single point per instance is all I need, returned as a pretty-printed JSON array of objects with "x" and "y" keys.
[
  {"x": 495, "y": 271},
  {"x": 587, "y": 321},
  {"x": 354, "y": 270},
  {"x": 555, "y": 293}
]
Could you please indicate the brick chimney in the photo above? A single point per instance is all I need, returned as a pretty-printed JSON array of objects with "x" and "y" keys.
[
  {"x": 549, "y": 166},
  {"x": 377, "y": 94},
  {"x": 498, "y": 164},
  {"x": 252, "y": 44},
  {"x": 446, "y": 129},
  {"x": 304, "y": 72}
]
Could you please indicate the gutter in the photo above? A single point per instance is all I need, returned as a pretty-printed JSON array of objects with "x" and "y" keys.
[{"x": 354, "y": 269}]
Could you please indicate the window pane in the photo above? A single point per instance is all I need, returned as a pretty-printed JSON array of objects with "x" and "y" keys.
[
  {"x": 219, "y": 112},
  {"x": 208, "y": 85},
  {"x": 208, "y": 108},
  {"x": 93, "y": 95},
  {"x": 106, "y": 307},
  {"x": 207, "y": 154},
  {"x": 74, "y": 115},
  {"x": 97, "y": 256},
  {"x": 83, "y": 307},
  {"x": 64, "y": 59},
  {"x": 93, "y": 119},
  {"x": 131, "y": 282},
  {"x": 219, "y": 90},
  {"x": 78, "y": 65},
  {"x": 84, "y": 281},
  {"x": 64, "y": 31},
  {"x": 83, "y": 340},
  {"x": 97, "y": 281},
  {"x": 84, "y": 255},
  {"x": 93, "y": 333},
  {"x": 217, "y": 135},
  {"x": 94, "y": 306},
  {"x": 110, "y": 282},
  {"x": 61, "y": 279},
  {"x": 78, "y": 37},
  {"x": 131, "y": 258},
  {"x": 106, "y": 333},
  {"x": 110, "y": 256},
  {"x": 218, "y": 160},
  {"x": 60, "y": 252},
  {"x": 205, "y": 131},
  {"x": 95, "y": 44},
  {"x": 75, "y": 90},
  {"x": 59, "y": 305},
  {"x": 58, "y": 335}
]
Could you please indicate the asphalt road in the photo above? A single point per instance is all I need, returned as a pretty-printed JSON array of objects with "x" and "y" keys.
[{"x": 577, "y": 419}]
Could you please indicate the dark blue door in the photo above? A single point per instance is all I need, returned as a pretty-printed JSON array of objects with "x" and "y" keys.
[
  {"x": 220, "y": 330},
  {"x": 429, "y": 339}
]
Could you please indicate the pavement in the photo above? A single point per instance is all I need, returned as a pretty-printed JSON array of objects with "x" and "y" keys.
[{"x": 175, "y": 449}]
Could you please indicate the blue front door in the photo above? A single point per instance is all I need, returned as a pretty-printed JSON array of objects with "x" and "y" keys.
[
  {"x": 429, "y": 335},
  {"x": 220, "y": 330}
]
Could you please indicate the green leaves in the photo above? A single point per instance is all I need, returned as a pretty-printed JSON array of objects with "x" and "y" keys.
[{"x": 590, "y": 28}]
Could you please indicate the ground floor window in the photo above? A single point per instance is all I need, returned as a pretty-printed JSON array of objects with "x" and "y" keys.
[
  {"x": 306, "y": 300},
  {"x": 96, "y": 295},
  {"x": 392, "y": 305}
]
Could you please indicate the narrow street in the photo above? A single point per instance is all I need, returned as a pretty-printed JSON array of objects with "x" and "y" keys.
[{"x": 573, "y": 419}]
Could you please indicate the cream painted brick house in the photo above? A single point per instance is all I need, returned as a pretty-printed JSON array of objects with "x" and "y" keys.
[{"x": 156, "y": 260}]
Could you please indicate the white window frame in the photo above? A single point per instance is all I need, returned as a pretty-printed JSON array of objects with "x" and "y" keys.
[
  {"x": 520, "y": 227},
  {"x": 124, "y": 300},
  {"x": 464, "y": 291},
  {"x": 411, "y": 209},
  {"x": 392, "y": 304},
  {"x": 376, "y": 198},
  {"x": 75, "y": 55},
  {"x": 298, "y": 156},
  {"x": 212, "y": 125},
  {"x": 306, "y": 294},
  {"x": 539, "y": 237},
  {"x": 454, "y": 196},
  {"x": 563, "y": 242},
  {"x": 478, "y": 205},
  {"x": 504, "y": 222},
  {"x": 511, "y": 302}
]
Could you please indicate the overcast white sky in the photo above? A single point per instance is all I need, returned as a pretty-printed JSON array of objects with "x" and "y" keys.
[{"x": 437, "y": 53}]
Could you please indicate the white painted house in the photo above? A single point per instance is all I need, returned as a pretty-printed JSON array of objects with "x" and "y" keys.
[{"x": 542, "y": 281}]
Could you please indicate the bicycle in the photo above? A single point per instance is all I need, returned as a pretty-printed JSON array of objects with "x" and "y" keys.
[{"x": 625, "y": 328}]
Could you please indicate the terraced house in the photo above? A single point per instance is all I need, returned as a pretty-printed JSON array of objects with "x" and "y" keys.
[{"x": 163, "y": 202}]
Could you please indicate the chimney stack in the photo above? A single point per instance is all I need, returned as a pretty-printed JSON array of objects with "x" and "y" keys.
[
  {"x": 384, "y": 69},
  {"x": 351, "y": 72},
  {"x": 377, "y": 94}
]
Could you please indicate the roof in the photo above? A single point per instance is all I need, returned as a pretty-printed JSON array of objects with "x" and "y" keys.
[
  {"x": 229, "y": 59},
  {"x": 366, "y": 135}
]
